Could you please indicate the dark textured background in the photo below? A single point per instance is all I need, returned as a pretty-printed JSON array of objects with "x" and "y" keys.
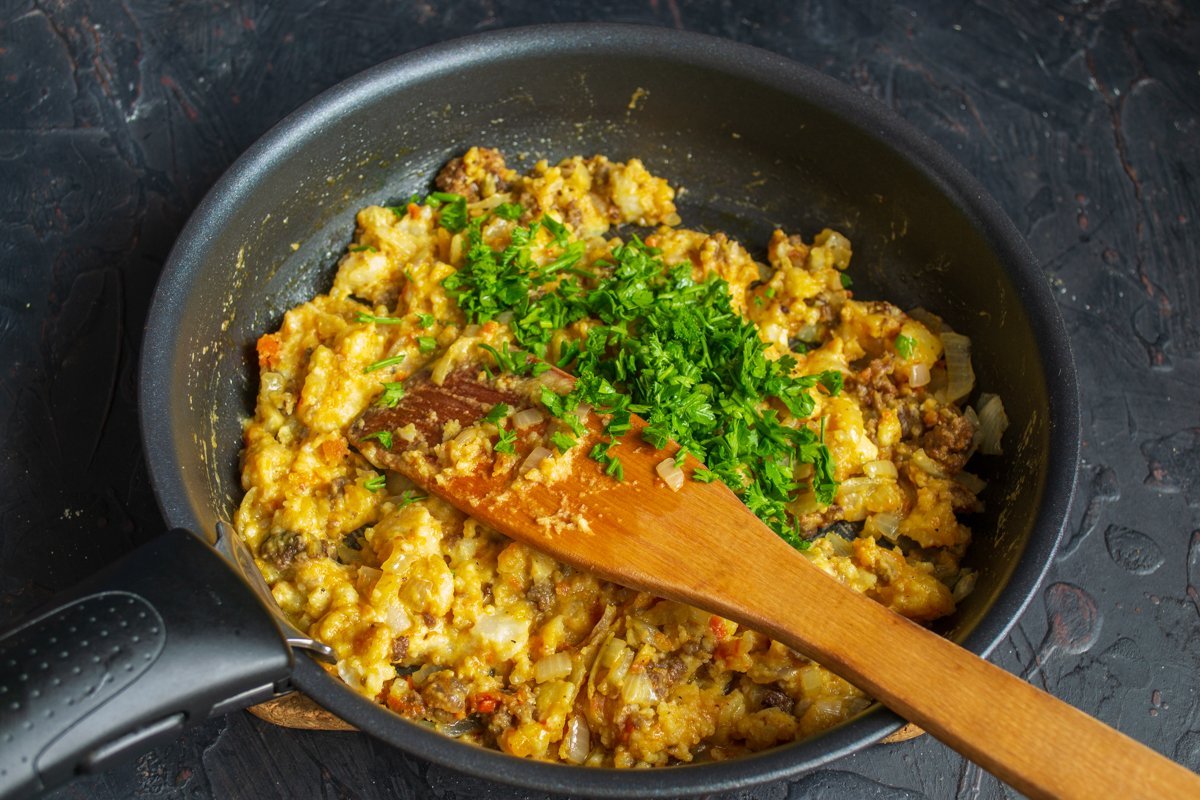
[{"x": 1082, "y": 118}]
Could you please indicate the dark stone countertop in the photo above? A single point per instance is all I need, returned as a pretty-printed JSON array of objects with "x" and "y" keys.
[{"x": 1082, "y": 118}]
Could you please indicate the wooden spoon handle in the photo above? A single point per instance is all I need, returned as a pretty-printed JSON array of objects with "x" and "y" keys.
[
  {"x": 702, "y": 546},
  {"x": 1037, "y": 743}
]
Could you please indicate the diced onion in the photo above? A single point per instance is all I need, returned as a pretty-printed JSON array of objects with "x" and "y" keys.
[
  {"x": 880, "y": 469},
  {"x": 927, "y": 318},
  {"x": 918, "y": 375},
  {"x": 578, "y": 741},
  {"x": 472, "y": 330},
  {"x": 973, "y": 418},
  {"x": 501, "y": 628},
  {"x": 556, "y": 382},
  {"x": 811, "y": 680},
  {"x": 552, "y": 667},
  {"x": 960, "y": 375},
  {"x": 461, "y": 727},
  {"x": 534, "y": 459},
  {"x": 581, "y": 412},
  {"x": 621, "y": 668},
  {"x": 527, "y": 418},
  {"x": 272, "y": 381},
  {"x": 887, "y": 524},
  {"x": 638, "y": 690},
  {"x": 367, "y": 576},
  {"x": 611, "y": 653},
  {"x": 488, "y": 202},
  {"x": 965, "y": 585},
  {"x": 972, "y": 482},
  {"x": 839, "y": 547},
  {"x": 992, "y": 424},
  {"x": 927, "y": 464},
  {"x": 396, "y": 617},
  {"x": 670, "y": 473}
]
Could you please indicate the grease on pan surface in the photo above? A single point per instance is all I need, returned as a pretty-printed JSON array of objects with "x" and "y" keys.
[{"x": 446, "y": 621}]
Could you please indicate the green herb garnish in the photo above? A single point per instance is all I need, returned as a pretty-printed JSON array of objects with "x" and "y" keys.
[
  {"x": 409, "y": 497},
  {"x": 509, "y": 211},
  {"x": 363, "y": 248},
  {"x": 373, "y": 484},
  {"x": 361, "y": 317},
  {"x": 498, "y": 412},
  {"x": 905, "y": 345},
  {"x": 507, "y": 443},
  {"x": 663, "y": 346},
  {"x": 387, "y": 362},
  {"x": 847, "y": 282},
  {"x": 453, "y": 207},
  {"x": 384, "y": 437},
  {"x": 562, "y": 440},
  {"x": 393, "y": 392},
  {"x": 426, "y": 344},
  {"x": 425, "y": 320}
]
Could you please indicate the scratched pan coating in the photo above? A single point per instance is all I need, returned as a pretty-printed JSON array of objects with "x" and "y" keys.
[{"x": 755, "y": 141}]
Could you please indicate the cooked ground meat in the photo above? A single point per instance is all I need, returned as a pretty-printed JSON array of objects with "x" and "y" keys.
[
  {"x": 541, "y": 594},
  {"x": 455, "y": 176},
  {"x": 773, "y": 698},
  {"x": 399, "y": 649},
  {"x": 873, "y": 386},
  {"x": 949, "y": 441},
  {"x": 445, "y": 692},
  {"x": 501, "y": 720},
  {"x": 665, "y": 674},
  {"x": 283, "y": 548}
]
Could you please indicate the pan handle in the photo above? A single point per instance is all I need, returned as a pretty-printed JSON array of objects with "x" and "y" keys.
[{"x": 166, "y": 637}]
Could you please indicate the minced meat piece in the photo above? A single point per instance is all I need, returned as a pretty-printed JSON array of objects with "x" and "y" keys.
[{"x": 949, "y": 440}]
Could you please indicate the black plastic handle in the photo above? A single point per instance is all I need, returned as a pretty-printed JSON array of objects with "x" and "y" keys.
[{"x": 166, "y": 637}]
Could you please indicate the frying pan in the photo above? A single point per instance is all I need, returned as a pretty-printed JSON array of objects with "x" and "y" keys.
[{"x": 176, "y": 633}]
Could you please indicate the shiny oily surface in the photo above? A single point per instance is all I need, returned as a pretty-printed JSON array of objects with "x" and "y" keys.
[{"x": 443, "y": 620}]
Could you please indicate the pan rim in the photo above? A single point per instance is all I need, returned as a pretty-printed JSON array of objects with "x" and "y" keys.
[{"x": 739, "y": 61}]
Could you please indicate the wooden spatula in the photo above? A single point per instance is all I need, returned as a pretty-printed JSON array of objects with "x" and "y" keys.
[{"x": 702, "y": 546}]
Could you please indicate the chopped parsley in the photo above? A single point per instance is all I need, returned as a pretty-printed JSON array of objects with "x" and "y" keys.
[
  {"x": 360, "y": 248},
  {"x": 847, "y": 282},
  {"x": 387, "y": 362},
  {"x": 425, "y": 320},
  {"x": 373, "y": 484},
  {"x": 516, "y": 363},
  {"x": 562, "y": 440},
  {"x": 660, "y": 345},
  {"x": 426, "y": 344},
  {"x": 498, "y": 412},
  {"x": 361, "y": 317},
  {"x": 507, "y": 443},
  {"x": 612, "y": 464},
  {"x": 509, "y": 211},
  {"x": 410, "y": 497},
  {"x": 453, "y": 216},
  {"x": 905, "y": 345},
  {"x": 393, "y": 392},
  {"x": 384, "y": 437}
]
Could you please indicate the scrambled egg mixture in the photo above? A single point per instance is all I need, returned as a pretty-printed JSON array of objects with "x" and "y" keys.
[{"x": 445, "y": 621}]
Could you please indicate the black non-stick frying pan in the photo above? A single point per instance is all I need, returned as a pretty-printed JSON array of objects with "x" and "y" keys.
[{"x": 174, "y": 634}]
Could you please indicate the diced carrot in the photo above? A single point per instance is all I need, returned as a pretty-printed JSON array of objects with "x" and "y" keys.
[
  {"x": 268, "y": 351},
  {"x": 717, "y": 626},
  {"x": 485, "y": 702},
  {"x": 334, "y": 449},
  {"x": 414, "y": 210}
]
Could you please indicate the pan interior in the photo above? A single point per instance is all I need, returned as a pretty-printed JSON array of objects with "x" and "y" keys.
[{"x": 751, "y": 150}]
